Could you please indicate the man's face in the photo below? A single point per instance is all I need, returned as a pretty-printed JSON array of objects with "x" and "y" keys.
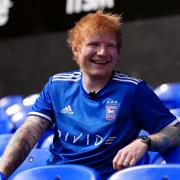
[
  {"x": 98, "y": 55},
  {"x": 4, "y": 11}
]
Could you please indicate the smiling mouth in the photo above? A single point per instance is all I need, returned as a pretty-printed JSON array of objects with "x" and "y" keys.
[{"x": 102, "y": 62}]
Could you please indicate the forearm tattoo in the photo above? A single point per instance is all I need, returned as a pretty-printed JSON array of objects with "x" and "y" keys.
[
  {"x": 22, "y": 142},
  {"x": 166, "y": 138}
]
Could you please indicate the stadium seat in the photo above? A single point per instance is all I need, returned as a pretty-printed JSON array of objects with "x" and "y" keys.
[
  {"x": 144, "y": 160},
  {"x": 176, "y": 112},
  {"x": 36, "y": 158},
  {"x": 19, "y": 111},
  {"x": 46, "y": 139},
  {"x": 169, "y": 93},
  {"x": 19, "y": 118},
  {"x": 148, "y": 172},
  {"x": 2, "y": 176},
  {"x": 47, "y": 142},
  {"x": 30, "y": 100},
  {"x": 6, "y": 112},
  {"x": 4, "y": 139},
  {"x": 171, "y": 156},
  {"x": 59, "y": 172},
  {"x": 22, "y": 109},
  {"x": 10, "y": 100},
  {"x": 6, "y": 126}
]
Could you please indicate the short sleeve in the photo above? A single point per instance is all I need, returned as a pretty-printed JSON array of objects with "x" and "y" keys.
[
  {"x": 150, "y": 112},
  {"x": 43, "y": 104}
]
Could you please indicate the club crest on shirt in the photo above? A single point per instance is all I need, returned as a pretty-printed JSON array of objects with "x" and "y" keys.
[{"x": 111, "y": 110}]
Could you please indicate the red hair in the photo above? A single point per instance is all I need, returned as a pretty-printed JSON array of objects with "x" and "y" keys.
[{"x": 93, "y": 23}]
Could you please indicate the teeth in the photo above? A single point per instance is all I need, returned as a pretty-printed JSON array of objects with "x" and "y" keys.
[{"x": 100, "y": 62}]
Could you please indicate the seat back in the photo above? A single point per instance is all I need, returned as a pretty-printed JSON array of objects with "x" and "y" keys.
[
  {"x": 169, "y": 93},
  {"x": 148, "y": 172},
  {"x": 9, "y": 106},
  {"x": 36, "y": 158},
  {"x": 2, "y": 176},
  {"x": 59, "y": 172},
  {"x": 176, "y": 112},
  {"x": 19, "y": 118},
  {"x": 10, "y": 100},
  {"x": 144, "y": 160},
  {"x": 171, "y": 156},
  {"x": 47, "y": 142},
  {"x": 4, "y": 139}
]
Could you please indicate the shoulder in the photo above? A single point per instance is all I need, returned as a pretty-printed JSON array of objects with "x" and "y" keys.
[
  {"x": 66, "y": 77},
  {"x": 125, "y": 79}
]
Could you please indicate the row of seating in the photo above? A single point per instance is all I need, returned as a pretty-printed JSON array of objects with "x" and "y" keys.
[
  {"x": 35, "y": 167},
  {"x": 74, "y": 172},
  {"x": 38, "y": 158},
  {"x": 169, "y": 94},
  {"x": 14, "y": 110}
]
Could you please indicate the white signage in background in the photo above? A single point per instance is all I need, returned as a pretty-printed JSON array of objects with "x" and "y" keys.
[
  {"x": 78, "y": 6},
  {"x": 4, "y": 11}
]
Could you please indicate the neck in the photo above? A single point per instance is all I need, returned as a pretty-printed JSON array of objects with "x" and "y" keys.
[{"x": 93, "y": 83}]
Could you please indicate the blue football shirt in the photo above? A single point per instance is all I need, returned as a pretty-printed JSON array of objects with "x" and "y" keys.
[{"x": 90, "y": 130}]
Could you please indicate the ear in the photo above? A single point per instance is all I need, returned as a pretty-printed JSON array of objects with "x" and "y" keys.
[{"x": 75, "y": 52}]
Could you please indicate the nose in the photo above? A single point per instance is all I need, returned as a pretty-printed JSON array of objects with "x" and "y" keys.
[{"x": 101, "y": 50}]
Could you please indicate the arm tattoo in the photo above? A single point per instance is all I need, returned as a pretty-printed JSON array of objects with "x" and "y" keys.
[
  {"x": 22, "y": 142},
  {"x": 166, "y": 138}
]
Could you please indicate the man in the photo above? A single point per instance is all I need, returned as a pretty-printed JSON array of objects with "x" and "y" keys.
[{"x": 98, "y": 112}]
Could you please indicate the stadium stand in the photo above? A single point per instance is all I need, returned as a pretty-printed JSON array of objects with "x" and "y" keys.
[
  {"x": 148, "y": 172},
  {"x": 169, "y": 93},
  {"x": 64, "y": 172},
  {"x": 4, "y": 139}
]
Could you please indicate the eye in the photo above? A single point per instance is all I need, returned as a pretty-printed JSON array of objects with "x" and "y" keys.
[
  {"x": 112, "y": 45},
  {"x": 93, "y": 44}
]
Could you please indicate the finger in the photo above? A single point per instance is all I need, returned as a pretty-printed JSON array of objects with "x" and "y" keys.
[
  {"x": 123, "y": 162},
  {"x": 127, "y": 161},
  {"x": 133, "y": 162},
  {"x": 116, "y": 160}
]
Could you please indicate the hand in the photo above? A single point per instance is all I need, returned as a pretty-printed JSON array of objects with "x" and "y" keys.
[{"x": 129, "y": 155}]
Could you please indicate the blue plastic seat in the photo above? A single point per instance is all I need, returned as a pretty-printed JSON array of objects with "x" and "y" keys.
[
  {"x": 176, "y": 112},
  {"x": 171, "y": 156},
  {"x": 144, "y": 160},
  {"x": 46, "y": 139},
  {"x": 30, "y": 100},
  {"x": 19, "y": 117},
  {"x": 59, "y": 172},
  {"x": 148, "y": 172},
  {"x": 4, "y": 139},
  {"x": 169, "y": 93},
  {"x": 36, "y": 158},
  {"x": 10, "y": 100},
  {"x": 47, "y": 142},
  {"x": 6, "y": 126},
  {"x": 2, "y": 176}
]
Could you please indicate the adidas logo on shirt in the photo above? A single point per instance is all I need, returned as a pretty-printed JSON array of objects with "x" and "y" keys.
[{"x": 67, "y": 110}]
